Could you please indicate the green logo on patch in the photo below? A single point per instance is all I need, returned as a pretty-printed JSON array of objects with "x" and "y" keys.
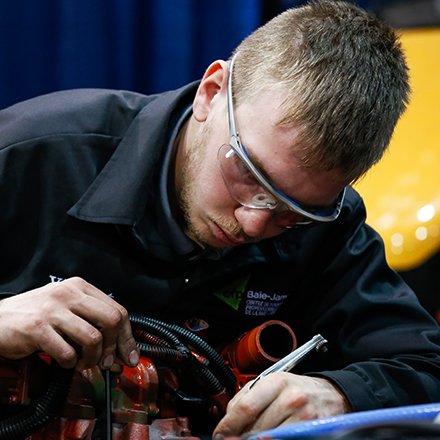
[{"x": 233, "y": 292}]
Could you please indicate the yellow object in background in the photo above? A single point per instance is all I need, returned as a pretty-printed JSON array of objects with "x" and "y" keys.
[{"x": 402, "y": 192}]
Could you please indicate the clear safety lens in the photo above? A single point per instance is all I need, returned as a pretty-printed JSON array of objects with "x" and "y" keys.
[{"x": 246, "y": 190}]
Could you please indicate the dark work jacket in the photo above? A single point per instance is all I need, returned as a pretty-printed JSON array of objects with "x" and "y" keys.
[{"x": 79, "y": 196}]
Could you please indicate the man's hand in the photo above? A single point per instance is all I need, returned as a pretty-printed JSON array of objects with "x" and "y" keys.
[
  {"x": 72, "y": 321},
  {"x": 280, "y": 399}
]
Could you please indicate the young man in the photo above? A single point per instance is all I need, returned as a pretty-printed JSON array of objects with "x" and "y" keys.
[{"x": 228, "y": 200}]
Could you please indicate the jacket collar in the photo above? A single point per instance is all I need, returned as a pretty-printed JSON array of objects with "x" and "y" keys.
[{"x": 130, "y": 178}]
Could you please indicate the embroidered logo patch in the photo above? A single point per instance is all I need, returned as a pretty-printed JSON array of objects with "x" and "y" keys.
[
  {"x": 233, "y": 293},
  {"x": 251, "y": 302}
]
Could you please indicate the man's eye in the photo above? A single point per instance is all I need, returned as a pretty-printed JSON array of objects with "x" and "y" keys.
[{"x": 243, "y": 170}]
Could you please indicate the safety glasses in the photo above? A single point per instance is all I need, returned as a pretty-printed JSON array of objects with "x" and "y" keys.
[{"x": 249, "y": 187}]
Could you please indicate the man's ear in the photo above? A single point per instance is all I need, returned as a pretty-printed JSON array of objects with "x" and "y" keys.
[{"x": 214, "y": 81}]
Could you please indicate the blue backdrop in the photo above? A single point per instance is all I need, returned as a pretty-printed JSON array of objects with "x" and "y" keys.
[{"x": 142, "y": 45}]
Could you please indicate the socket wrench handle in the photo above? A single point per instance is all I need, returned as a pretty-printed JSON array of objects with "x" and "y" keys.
[{"x": 288, "y": 362}]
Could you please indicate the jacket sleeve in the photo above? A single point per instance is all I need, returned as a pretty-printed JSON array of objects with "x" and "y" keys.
[{"x": 384, "y": 348}]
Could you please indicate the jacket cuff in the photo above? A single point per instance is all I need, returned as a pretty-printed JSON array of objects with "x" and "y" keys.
[{"x": 357, "y": 392}]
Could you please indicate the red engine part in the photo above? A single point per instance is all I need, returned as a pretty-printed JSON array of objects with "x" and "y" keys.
[
  {"x": 135, "y": 393},
  {"x": 257, "y": 349},
  {"x": 143, "y": 399}
]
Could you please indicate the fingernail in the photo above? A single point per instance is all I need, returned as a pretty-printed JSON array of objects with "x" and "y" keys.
[
  {"x": 133, "y": 358},
  {"x": 107, "y": 362}
]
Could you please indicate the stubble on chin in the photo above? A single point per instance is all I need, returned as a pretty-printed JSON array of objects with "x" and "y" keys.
[
  {"x": 185, "y": 197},
  {"x": 196, "y": 227},
  {"x": 199, "y": 230},
  {"x": 187, "y": 194}
]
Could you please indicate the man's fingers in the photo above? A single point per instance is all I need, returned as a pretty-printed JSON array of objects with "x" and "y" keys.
[
  {"x": 116, "y": 329},
  {"x": 243, "y": 410},
  {"x": 278, "y": 399},
  {"x": 84, "y": 338},
  {"x": 72, "y": 321},
  {"x": 112, "y": 319},
  {"x": 286, "y": 408},
  {"x": 119, "y": 345},
  {"x": 127, "y": 348},
  {"x": 56, "y": 347},
  {"x": 250, "y": 409}
]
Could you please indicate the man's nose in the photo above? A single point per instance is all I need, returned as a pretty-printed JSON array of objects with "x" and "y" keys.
[{"x": 255, "y": 223}]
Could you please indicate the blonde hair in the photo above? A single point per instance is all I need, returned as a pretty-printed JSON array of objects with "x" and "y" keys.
[{"x": 344, "y": 77}]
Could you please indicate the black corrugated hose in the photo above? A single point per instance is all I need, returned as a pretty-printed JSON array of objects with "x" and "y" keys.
[
  {"x": 47, "y": 406},
  {"x": 217, "y": 364},
  {"x": 42, "y": 410}
]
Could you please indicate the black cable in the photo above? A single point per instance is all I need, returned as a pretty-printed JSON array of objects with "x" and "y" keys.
[
  {"x": 48, "y": 405},
  {"x": 184, "y": 360},
  {"x": 218, "y": 364},
  {"x": 157, "y": 328},
  {"x": 108, "y": 406},
  {"x": 42, "y": 410},
  {"x": 162, "y": 354}
]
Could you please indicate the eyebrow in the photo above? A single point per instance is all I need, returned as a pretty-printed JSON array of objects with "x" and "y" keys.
[{"x": 261, "y": 169}]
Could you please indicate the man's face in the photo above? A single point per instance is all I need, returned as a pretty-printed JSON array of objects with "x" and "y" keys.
[{"x": 213, "y": 217}]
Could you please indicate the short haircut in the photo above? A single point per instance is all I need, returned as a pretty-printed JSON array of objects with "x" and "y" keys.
[{"x": 344, "y": 77}]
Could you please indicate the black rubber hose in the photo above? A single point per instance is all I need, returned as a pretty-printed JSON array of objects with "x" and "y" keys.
[
  {"x": 42, "y": 410},
  {"x": 163, "y": 354},
  {"x": 211, "y": 385},
  {"x": 46, "y": 407},
  {"x": 218, "y": 364},
  {"x": 157, "y": 328}
]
